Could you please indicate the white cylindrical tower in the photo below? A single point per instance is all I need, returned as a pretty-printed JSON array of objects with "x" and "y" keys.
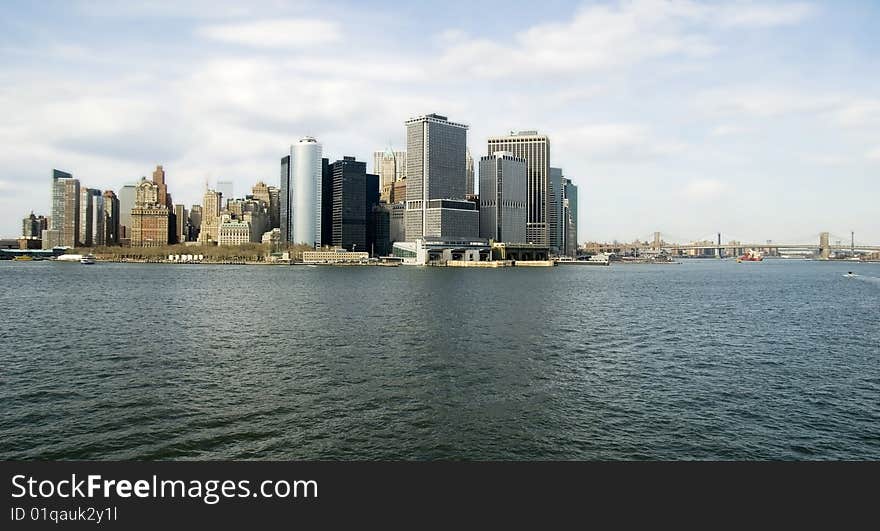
[{"x": 305, "y": 192}]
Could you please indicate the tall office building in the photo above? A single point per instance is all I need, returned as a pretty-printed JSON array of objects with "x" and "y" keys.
[
  {"x": 226, "y": 188},
  {"x": 503, "y": 205},
  {"x": 180, "y": 223},
  {"x": 269, "y": 195},
  {"x": 535, "y": 149},
  {"x": 150, "y": 220},
  {"x": 469, "y": 173},
  {"x": 210, "y": 219},
  {"x": 32, "y": 227},
  {"x": 111, "y": 218},
  {"x": 390, "y": 166},
  {"x": 555, "y": 224},
  {"x": 126, "y": 204},
  {"x": 98, "y": 234},
  {"x": 163, "y": 197},
  {"x": 301, "y": 184},
  {"x": 195, "y": 222},
  {"x": 570, "y": 218},
  {"x": 65, "y": 208},
  {"x": 349, "y": 204},
  {"x": 436, "y": 180}
]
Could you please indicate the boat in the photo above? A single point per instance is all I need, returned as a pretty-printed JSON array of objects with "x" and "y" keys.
[
  {"x": 69, "y": 258},
  {"x": 23, "y": 258},
  {"x": 88, "y": 259},
  {"x": 751, "y": 256}
]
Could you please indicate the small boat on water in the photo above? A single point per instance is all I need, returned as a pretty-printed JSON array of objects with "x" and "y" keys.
[
  {"x": 751, "y": 256},
  {"x": 23, "y": 258},
  {"x": 88, "y": 259}
]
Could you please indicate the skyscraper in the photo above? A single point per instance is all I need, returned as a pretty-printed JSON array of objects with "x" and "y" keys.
[
  {"x": 195, "y": 222},
  {"x": 570, "y": 217},
  {"x": 32, "y": 227},
  {"x": 555, "y": 219},
  {"x": 349, "y": 208},
  {"x": 210, "y": 219},
  {"x": 390, "y": 166},
  {"x": 65, "y": 208},
  {"x": 503, "y": 209},
  {"x": 150, "y": 220},
  {"x": 98, "y": 229},
  {"x": 436, "y": 180},
  {"x": 163, "y": 197},
  {"x": 226, "y": 188},
  {"x": 303, "y": 194},
  {"x": 180, "y": 223},
  {"x": 469, "y": 173},
  {"x": 535, "y": 149},
  {"x": 284, "y": 199},
  {"x": 111, "y": 218},
  {"x": 126, "y": 204}
]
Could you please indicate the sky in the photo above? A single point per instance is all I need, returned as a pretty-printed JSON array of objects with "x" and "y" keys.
[{"x": 759, "y": 120}]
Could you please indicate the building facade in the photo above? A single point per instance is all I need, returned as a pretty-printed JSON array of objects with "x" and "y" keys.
[
  {"x": 436, "y": 153},
  {"x": 32, "y": 227},
  {"x": 390, "y": 166},
  {"x": 555, "y": 223},
  {"x": 65, "y": 208},
  {"x": 503, "y": 199},
  {"x": 180, "y": 223},
  {"x": 301, "y": 193},
  {"x": 98, "y": 229},
  {"x": 111, "y": 218},
  {"x": 570, "y": 218},
  {"x": 126, "y": 204},
  {"x": 210, "y": 216},
  {"x": 233, "y": 231},
  {"x": 535, "y": 149},
  {"x": 150, "y": 220},
  {"x": 469, "y": 174}
]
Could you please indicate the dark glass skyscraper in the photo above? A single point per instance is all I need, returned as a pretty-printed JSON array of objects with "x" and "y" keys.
[{"x": 350, "y": 214}]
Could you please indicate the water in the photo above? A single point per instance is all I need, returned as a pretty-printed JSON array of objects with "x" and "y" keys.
[{"x": 704, "y": 360}]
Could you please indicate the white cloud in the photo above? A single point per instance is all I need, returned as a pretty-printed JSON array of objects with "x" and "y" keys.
[
  {"x": 755, "y": 14},
  {"x": 857, "y": 113},
  {"x": 615, "y": 142},
  {"x": 705, "y": 189},
  {"x": 728, "y": 130},
  {"x": 873, "y": 154},
  {"x": 764, "y": 101},
  {"x": 282, "y": 33}
]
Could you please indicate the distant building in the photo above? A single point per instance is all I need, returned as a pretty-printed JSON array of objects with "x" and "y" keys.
[
  {"x": 335, "y": 256},
  {"x": 195, "y": 222},
  {"x": 150, "y": 220},
  {"x": 163, "y": 198},
  {"x": 111, "y": 218},
  {"x": 272, "y": 238},
  {"x": 269, "y": 195},
  {"x": 469, "y": 174},
  {"x": 441, "y": 250},
  {"x": 227, "y": 189},
  {"x": 126, "y": 204},
  {"x": 210, "y": 218},
  {"x": 535, "y": 149},
  {"x": 570, "y": 218},
  {"x": 97, "y": 228},
  {"x": 65, "y": 209},
  {"x": 301, "y": 193},
  {"x": 398, "y": 192},
  {"x": 397, "y": 223},
  {"x": 180, "y": 223},
  {"x": 436, "y": 153},
  {"x": 86, "y": 216},
  {"x": 33, "y": 226},
  {"x": 390, "y": 166},
  {"x": 381, "y": 220},
  {"x": 555, "y": 223},
  {"x": 503, "y": 214},
  {"x": 233, "y": 231}
]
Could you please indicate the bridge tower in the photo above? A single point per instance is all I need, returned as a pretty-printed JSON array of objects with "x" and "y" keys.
[
  {"x": 657, "y": 241},
  {"x": 824, "y": 247}
]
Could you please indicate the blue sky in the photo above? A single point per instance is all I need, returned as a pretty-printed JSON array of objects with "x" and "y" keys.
[{"x": 757, "y": 119}]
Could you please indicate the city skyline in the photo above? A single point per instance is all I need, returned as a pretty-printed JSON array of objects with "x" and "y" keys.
[{"x": 736, "y": 117}]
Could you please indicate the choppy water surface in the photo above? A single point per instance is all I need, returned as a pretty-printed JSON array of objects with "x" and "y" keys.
[{"x": 703, "y": 360}]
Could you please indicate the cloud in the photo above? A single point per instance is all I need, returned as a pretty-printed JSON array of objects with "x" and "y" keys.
[
  {"x": 753, "y": 14},
  {"x": 617, "y": 143},
  {"x": 764, "y": 101},
  {"x": 705, "y": 189},
  {"x": 282, "y": 33},
  {"x": 857, "y": 113},
  {"x": 728, "y": 130},
  {"x": 873, "y": 154}
]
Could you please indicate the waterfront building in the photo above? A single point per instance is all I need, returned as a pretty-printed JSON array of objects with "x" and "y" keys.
[
  {"x": 33, "y": 226},
  {"x": 111, "y": 218},
  {"x": 535, "y": 149},
  {"x": 352, "y": 194},
  {"x": 126, "y": 204},
  {"x": 335, "y": 256},
  {"x": 436, "y": 153},
  {"x": 570, "y": 217},
  {"x": 272, "y": 238},
  {"x": 51, "y": 238},
  {"x": 210, "y": 219},
  {"x": 301, "y": 197},
  {"x": 65, "y": 209},
  {"x": 424, "y": 251},
  {"x": 381, "y": 221},
  {"x": 233, "y": 231},
  {"x": 503, "y": 200},
  {"x": 555, "y": 224},
  {"x": 86, "y": 216},
  {"x": 150, "y": 220},
  {"x": 397, "y": 223},
  {"x": 180, "y": 223},
  {"x": 469, "y": 173},
  {"x": 390, "y": 166}
]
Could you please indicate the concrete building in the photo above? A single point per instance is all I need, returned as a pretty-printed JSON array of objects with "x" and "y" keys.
[
  {"x": 150, "y": 220},
  {"x": 301, "y": 193},
  {"x": 181, "y": 223},
  {"x": 163, "y": 198},
  {"x": 390, "y": 166},
  {"x": 335, "y": 256},
  {"x": 535, "y": 149},
  {"x": 269, "y": 195},
  {"x": 111, "y": 218},
  {"x": 436, "y": 183},
  {"x": 570, "y": 218},
  {"x": 233, "y": 231},
  {"x": 469, "y": 173},
  {"x": 65, "y": 209},
  {"x": 86, "y": 216},
  {"x": 438, "y": 251},
  {"x": 503, "y": 199},
  {"x": 210, "y": 218},
  {"x": 397, "y": 223},
  {"x": 195, "y": 222},
  {"x": 32, "y": 227},
  {"x": 398, "y": 192},
  {"x": 126, "y": 204},
  {"x": 98, "y": 229},
  {"x": 555, "y": 224}
]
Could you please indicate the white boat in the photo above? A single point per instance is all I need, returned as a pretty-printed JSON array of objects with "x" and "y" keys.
[
  {"x": 88, "y": 259},
  {"x": 69, "y": 258}
]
